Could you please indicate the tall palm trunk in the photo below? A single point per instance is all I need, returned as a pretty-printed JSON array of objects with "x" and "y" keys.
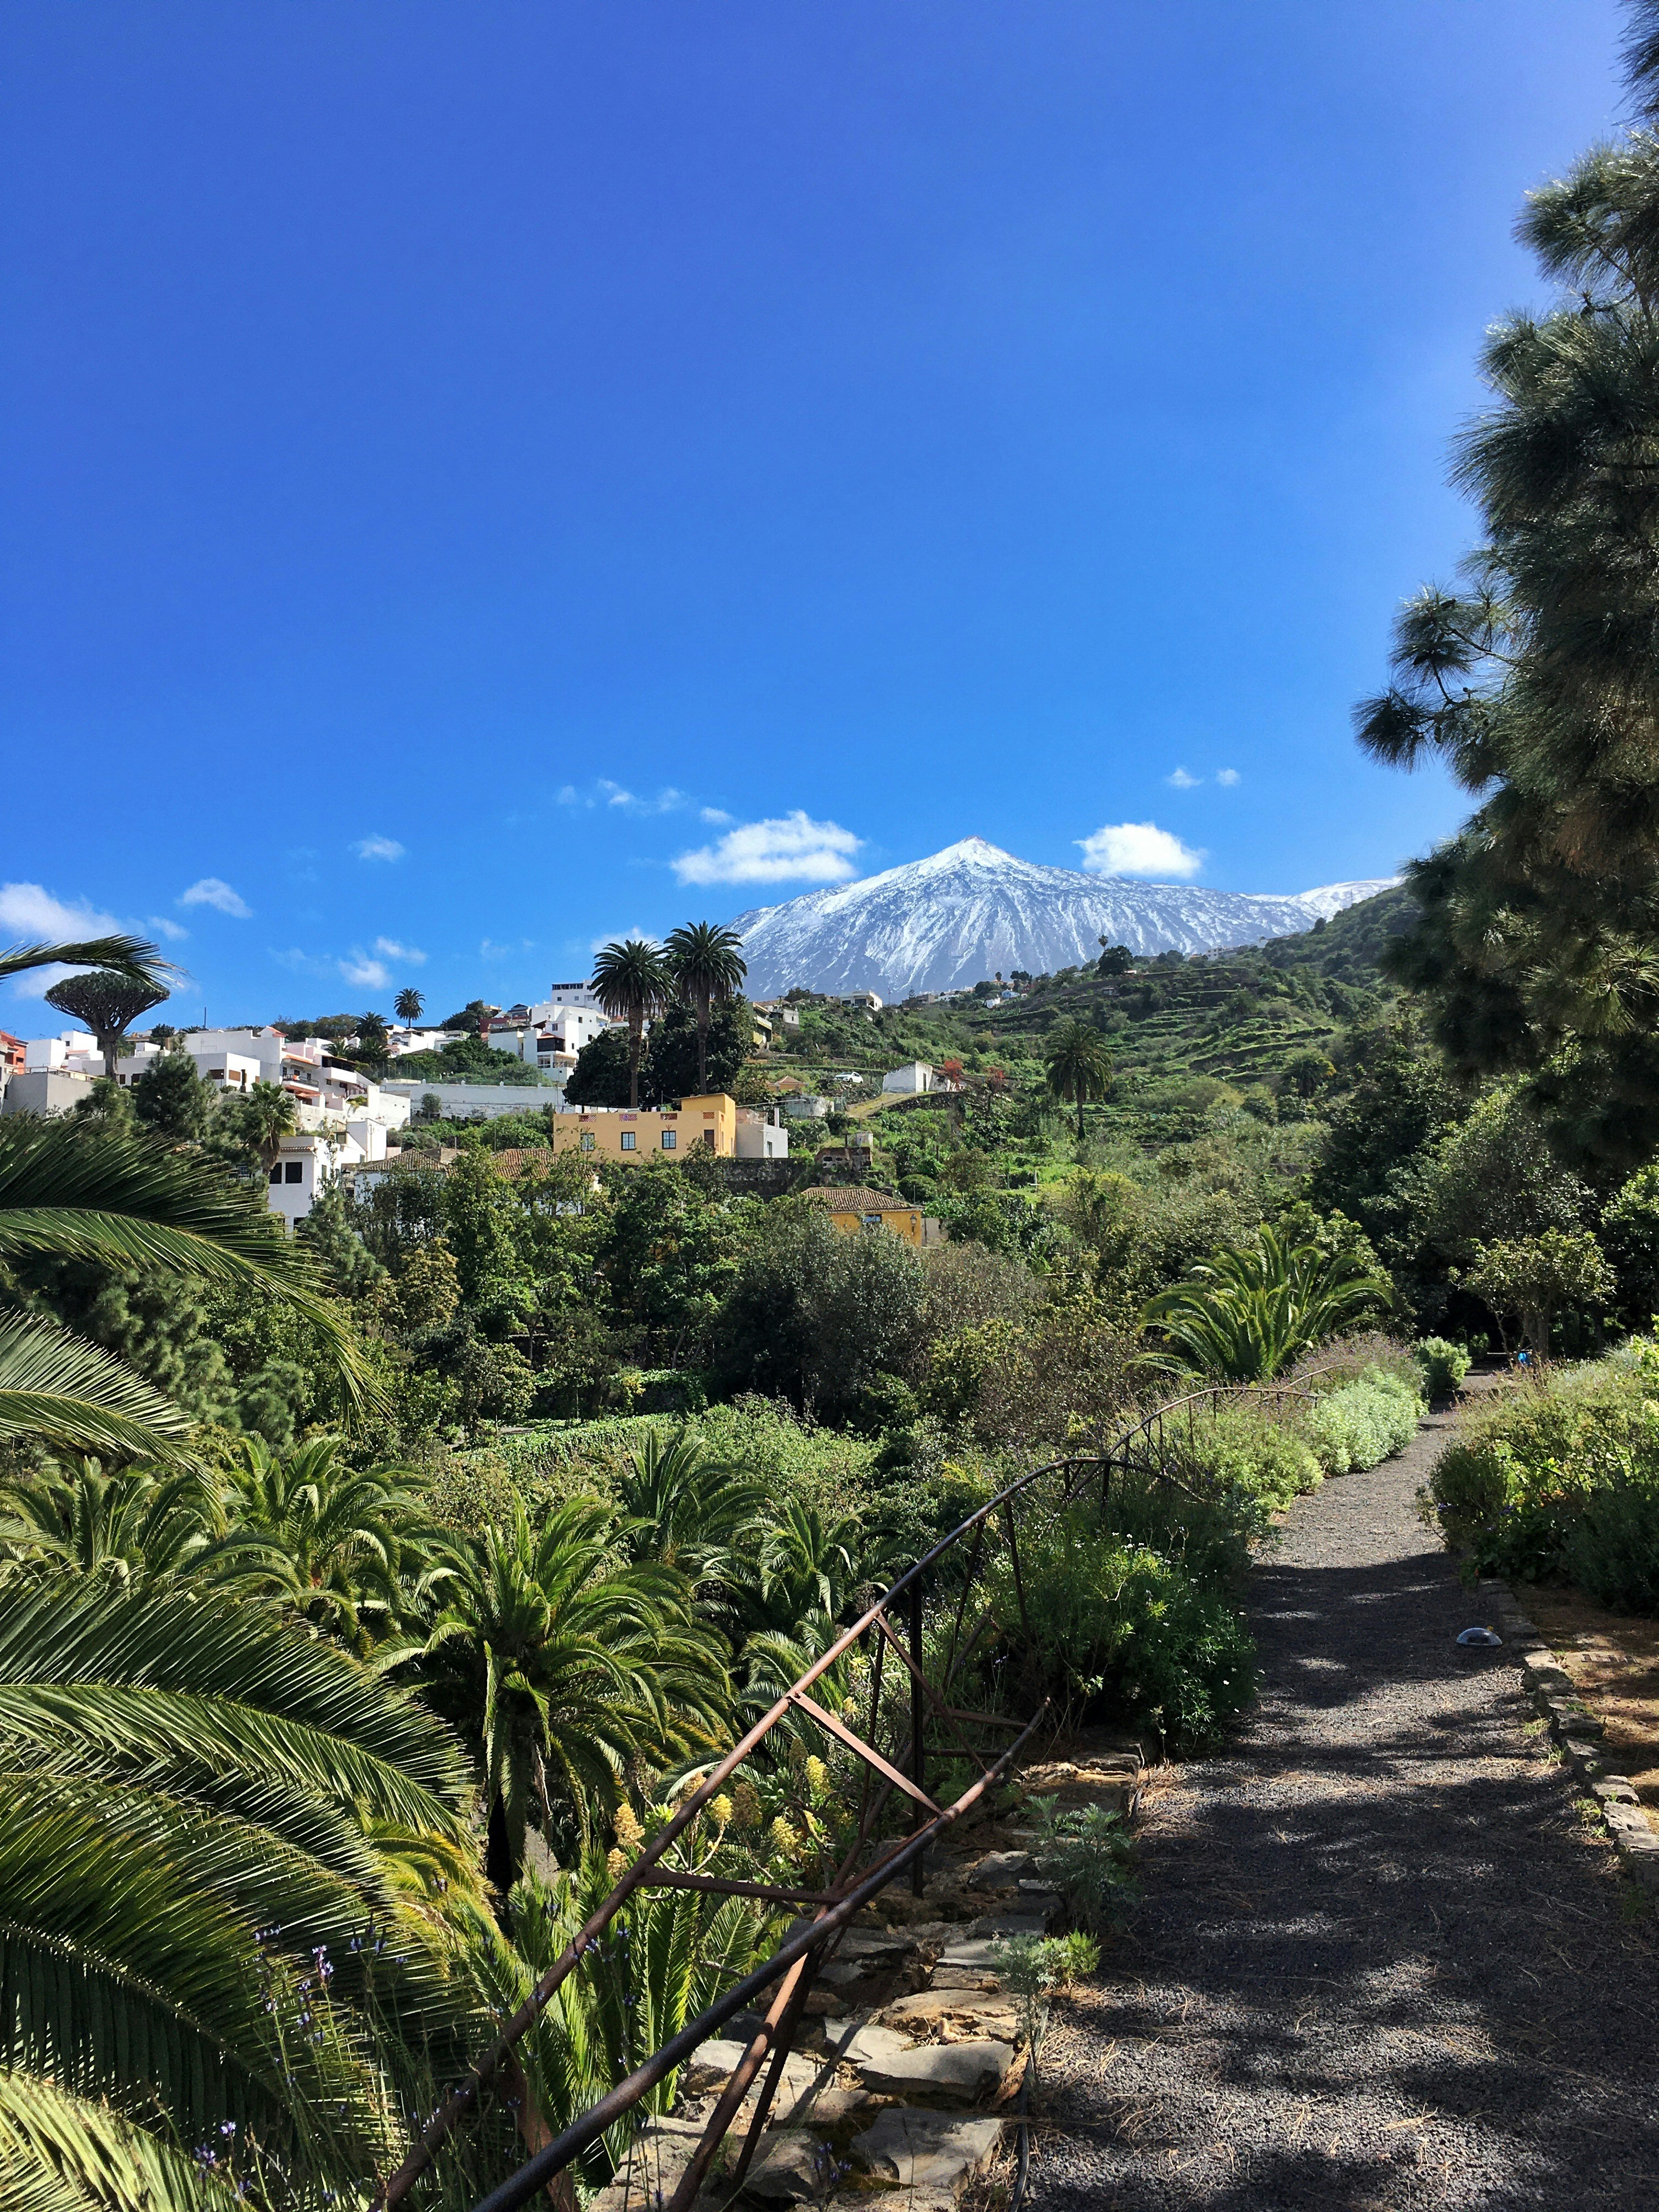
[
  {"x": 635, "y": 1045},
  {"x": 704, "y": 1008}
]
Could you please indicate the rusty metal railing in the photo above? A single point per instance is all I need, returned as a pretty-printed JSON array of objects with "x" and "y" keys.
[{"x": 892, "y": 1629}]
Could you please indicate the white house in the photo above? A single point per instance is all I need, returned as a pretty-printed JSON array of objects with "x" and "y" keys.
[
  {"x": 867, "y": 999},
  {"x": 551, "y": 1035},
  {"x": 310, "y": 1160},
  {"x": 915, "y": 1075}
]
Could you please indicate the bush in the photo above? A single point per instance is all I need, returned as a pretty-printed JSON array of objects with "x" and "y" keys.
[
  {"x": 1361, "y": 1422},
  {"x": 1535, "y": 1483},
  {"x": 1443, "y": 1365},
  {"x": 1119, "y": 1631},
  {"x": 1265, "y": 1459},
  {"x": 1612, "y": 1553}
]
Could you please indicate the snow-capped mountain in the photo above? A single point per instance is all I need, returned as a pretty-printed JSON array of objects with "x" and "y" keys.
[{"x": 973, "y": 910}]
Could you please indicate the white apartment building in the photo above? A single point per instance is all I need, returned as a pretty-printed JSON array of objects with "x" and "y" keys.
[
  {"x": 548, "y": 1036},
  {"x": 344, "y": 1116}
]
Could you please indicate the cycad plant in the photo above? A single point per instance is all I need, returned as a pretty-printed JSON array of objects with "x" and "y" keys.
[
  {"x": 231, "y": 1867},
  {"x": 569, "y": 1662},
  {"x": 707, "y": 967},
  {"x": 662, "y": 1962},
  {"x": 119, "y": 1524},
  {"x": 1245, "y": 1315},
  {"x": 632, "y": 983}
]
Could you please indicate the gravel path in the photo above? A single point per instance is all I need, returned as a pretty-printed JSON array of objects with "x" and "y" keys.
[{"x": 1379, "y": 1961}]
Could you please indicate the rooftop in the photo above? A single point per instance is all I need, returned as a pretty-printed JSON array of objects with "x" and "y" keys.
[{"x": 856, "y": 1198}]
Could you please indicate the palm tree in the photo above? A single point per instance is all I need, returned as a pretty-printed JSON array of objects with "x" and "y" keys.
[
  {"x": 1079, "y": 1065},
  {"x": 1247, "y": 1312},
  {"x": 105, "y": 1002},
  {"x": 409, "y": 1006},
  {"x": 688, "y": 1512},
  {"x": 69, "y": 1191},
  {"x": 329, "y": 1542},
  {"x": 562, "y": 1660},
  {"x": 707, "y": 964},
  {"x": 123, "y": 1523},
  {"x": 633, "y": 985},
  {"x": 267, "y": 1114},
  {"x": 217, "y": 1844}
]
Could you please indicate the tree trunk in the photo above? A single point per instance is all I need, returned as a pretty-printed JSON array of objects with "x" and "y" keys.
[
  {"x": 635, "y": 1038},
  {"x": 110, "y": 1045},
  {"x": 1080, "y": 1113},
  {"x": 702, "y": 1044}
]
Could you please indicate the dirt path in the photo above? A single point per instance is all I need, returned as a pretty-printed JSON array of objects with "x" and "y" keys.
[{"x": 1381, "y": 1961}]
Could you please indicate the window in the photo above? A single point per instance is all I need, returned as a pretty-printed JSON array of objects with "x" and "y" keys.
[
  {"x": 669, "y": 1140},
  {"x": 627, "y": 1144},
  {"x": 587, "y": 1140},
  {"x": 708, "y": 1138},
  {"x": 872, "y": 1221},
  {"x": 293, "y": 1170},
  {"x": 276, "y": 1172}
]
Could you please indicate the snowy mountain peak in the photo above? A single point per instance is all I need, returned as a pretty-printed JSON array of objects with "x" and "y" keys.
[{"x": 973, "y": 910}]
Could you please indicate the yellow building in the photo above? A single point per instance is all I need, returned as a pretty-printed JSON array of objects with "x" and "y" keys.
[
  {"x": 615, "y": 1132},
  {"x": 854, "y": 1209}
]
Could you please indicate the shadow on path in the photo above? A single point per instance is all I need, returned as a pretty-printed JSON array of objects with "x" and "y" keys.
[{"x": 1381, "y": 1960}]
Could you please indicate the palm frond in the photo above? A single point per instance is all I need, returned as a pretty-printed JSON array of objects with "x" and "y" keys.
[
  {"x": 119, "y": 1197},
  {"x": 60, "y": 2153},
  {"x": 60, "y": 1387},
  {"x": 133, "y": 958}
]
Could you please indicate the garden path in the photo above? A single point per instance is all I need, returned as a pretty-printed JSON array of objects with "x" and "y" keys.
[{"x": 1379, "y": 1961}]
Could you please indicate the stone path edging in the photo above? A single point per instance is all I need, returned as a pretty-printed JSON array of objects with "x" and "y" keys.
[{"x": 1577, "y": 1728}]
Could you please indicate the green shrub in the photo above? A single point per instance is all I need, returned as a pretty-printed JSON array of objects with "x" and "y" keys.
[
  {"x": 1117, "y": 1629},
  {"x": 1087, "y": 1853},
  {"x": 1524, "y": 1470},
  {"x": 1263, "y": 1458},
  {"x": 1613, "y": 1552},
  {"x": 1361, "y": 1423},
  {"x": 1443, "y": 1365}
]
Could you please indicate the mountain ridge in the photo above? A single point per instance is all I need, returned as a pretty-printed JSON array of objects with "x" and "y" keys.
[{"x": 972, "y": 910}]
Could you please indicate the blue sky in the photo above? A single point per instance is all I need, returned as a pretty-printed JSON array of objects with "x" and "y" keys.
[{"x": 480, "y": 478}]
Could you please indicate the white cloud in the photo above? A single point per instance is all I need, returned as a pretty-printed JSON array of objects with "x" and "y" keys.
[
  {"x": 393, "y": 951},
  {"x": 1229, "y": 776},
  {"x": 376, "y": 848},
  {"x": 358, "y": 968},
  {"x": 1182, "y": 782},
  {"x": 163, "y": 927},
  {"x": 622, "y": 937},
  {"x": 566, "y": 795},
  {"x": 667, "y": 800},
  {"x": 794, "y": 848},
  {"x": 29, "y": 915},
  {"x": 214, "y": 892},
  {"x": 716, "y": 816},
  {"x": 1137, "y": 849}
]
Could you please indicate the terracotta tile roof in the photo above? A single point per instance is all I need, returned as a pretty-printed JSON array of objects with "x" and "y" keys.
[
  {"x": 853, "y": 1198},
  {"x": 518, "y": 1159}
]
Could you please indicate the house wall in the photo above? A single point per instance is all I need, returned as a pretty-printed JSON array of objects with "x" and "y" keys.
[
  {"x": 709, "y": 1122},
  {"x": 907, "y": 1224}
]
